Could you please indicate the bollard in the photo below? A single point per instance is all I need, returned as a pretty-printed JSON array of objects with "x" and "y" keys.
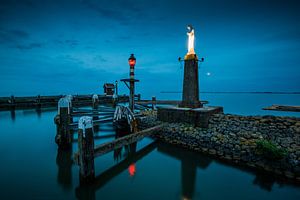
[
  {"x": 63, "y": 136},
  {"x": 95, "y": 101},
  {"x": 38, "y": 101},
  {"x": 153, "y": 103},
  {"x": 70, "y": 98},
  {"x": 12, "y": 102},
  {"x": 139, "y": 97},
  {"x": 115, "y": 100},
  {"x": 86, "y": 149}
]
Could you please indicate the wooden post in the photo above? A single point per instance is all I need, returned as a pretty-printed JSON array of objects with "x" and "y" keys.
[
  {"x": 115, "y": 100},
  {"x": 86, "y": 149},
  {"x": 116, "y": 88},
  {"x": 38, "y": 101},
  {"x": 63, "y": 119},
  {"x": 95, "y": 101},
  {"x": 70, "y": 98},
  {"x": 153, "y": 103},
  {"x": 13, "y": 102}
]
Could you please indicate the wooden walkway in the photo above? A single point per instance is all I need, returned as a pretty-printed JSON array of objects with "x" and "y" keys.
[
  {"x": 120, "y": 142},
  {"x": 9, "y": 103}
]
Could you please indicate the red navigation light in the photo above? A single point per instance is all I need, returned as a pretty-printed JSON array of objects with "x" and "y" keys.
[
  {"x": 131, "y": 60},
  {"x": 131, "y": 169}
]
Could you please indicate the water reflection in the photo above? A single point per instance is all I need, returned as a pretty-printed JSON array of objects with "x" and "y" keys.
[
  {"x": 64, "y": 162},
  {"x": 13, "y": 115},
  {"x": 125, "y": 151},
  {"x": 88, "y": 192},
  {"x": 267, "y": 181},
  {"x": 38, "y": 111},
  {"x": 189, "y": 163}
]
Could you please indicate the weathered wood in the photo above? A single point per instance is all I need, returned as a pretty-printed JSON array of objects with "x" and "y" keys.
[
  {"x": 63, "y": 137},
  {"x": 8, "y": 103},
  {"x": 86, "y": 150},
  {"x": 120, "y": 142},
  {"x": 154, "y": 103},
  {"x": 95, "y": 122},
  {"x": 95, "y": 101},
  {"x": 104, "y": 178},
  {"x": 283, "y": 108}
]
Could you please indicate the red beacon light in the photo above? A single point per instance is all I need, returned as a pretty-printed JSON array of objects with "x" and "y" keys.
[{"x": 131, "y": 60}]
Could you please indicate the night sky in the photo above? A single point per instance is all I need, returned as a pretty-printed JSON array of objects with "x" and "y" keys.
[{"x": 74, "y": 46}]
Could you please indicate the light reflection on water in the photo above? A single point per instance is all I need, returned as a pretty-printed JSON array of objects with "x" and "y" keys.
[{"x": 33, "y": 168}]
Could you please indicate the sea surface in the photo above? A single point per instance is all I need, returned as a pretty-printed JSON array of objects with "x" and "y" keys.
[{"x": 32, "y": 167}]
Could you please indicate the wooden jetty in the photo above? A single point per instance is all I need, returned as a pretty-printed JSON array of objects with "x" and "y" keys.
[
  {"x": 87, "y": 152},
  {"x": 9, "y": 103},
  {"x": 283, "y": 108},
  {"x": 83, "y": 192}
]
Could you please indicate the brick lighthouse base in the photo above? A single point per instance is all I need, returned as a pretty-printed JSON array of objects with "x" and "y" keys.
[{"x": 197, "y": 116}]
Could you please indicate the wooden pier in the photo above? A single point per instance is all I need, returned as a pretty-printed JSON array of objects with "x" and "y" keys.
[
  {"x": 9, "y": 103},
  {"x": 87, "y": 152}
]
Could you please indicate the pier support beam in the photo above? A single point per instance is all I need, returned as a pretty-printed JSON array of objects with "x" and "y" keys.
[
  {"x": 95, "y": 101},
  {"x": 63, "y": 119},
  {"x": 86, "y": 150},
  {"x": 153, "y": 103}
]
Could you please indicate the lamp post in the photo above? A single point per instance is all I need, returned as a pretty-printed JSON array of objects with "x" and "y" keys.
[
  {"x": 131, "y": 62},
  {"x": 131, "y": 80},
  {"x": 116, "y": 88}
]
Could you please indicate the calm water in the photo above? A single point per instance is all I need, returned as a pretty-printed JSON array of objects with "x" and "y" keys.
[{"x": 33, "y": 168}]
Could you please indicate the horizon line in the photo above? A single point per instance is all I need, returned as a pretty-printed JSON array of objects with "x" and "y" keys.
[{"x": 236, "y": 92}]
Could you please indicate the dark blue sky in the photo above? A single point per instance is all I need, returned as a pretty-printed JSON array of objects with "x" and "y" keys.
[{"x": 74, "y": 46}]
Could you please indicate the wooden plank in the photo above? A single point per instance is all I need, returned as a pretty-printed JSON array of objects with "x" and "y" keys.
[
  {"x": 283, "y": 108},
  {"x": 104, "y": 178},
  {"x": 51, "y": 101},
  {"x": 120, "y": 142},
  {"x": 95, "y": 122}
]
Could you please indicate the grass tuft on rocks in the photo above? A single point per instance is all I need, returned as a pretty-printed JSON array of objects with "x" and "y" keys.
[{"x": 269, "y": 150}]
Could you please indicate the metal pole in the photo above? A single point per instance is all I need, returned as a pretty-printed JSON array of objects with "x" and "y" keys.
[
  {"x": 116, "y": 88},
  {"x": 131, "y": 97},
  {"x": 131, "y": 87}
]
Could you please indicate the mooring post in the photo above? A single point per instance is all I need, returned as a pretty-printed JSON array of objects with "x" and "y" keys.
[
  {"x": 95, "y": 101},
  {"x": 153, "y": 103},
  {"x": 86, "y": 149},
  {"x": 38, "y": 101},
  {"x": 63, "y": 119},
  {"x": 12, "y": 102},
  {"x": 115, "y": 100},
  {"x": 116, "y": 87},
  {"x": 70, "y": 98}
]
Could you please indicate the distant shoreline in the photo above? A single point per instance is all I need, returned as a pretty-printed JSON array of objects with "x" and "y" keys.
[{"x": 171, "y": 92}]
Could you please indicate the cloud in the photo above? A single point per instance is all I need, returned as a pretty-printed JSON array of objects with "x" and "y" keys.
[
  {"x": 68, "y": 42},
  {"x": 29, "y": 46},
  {"x": 12, "y": 36},
  {"x": 124, "y": 12}
]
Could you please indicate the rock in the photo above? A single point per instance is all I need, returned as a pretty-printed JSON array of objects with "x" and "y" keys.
[
  {"x": 232, "y": 135},
  {"x": 212, "y": 152},
  {"x": 289, "y": 174},
  {"x": 228, "y": 157}
]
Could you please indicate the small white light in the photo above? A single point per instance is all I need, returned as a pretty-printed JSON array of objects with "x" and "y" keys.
[{"x": 208, "y": 73}]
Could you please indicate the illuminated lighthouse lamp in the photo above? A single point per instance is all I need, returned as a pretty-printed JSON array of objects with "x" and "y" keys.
[{"x": 131, "y": 60}]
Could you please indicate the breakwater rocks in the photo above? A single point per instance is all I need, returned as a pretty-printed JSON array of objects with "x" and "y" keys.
[{"x": 267, "y": 143}]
